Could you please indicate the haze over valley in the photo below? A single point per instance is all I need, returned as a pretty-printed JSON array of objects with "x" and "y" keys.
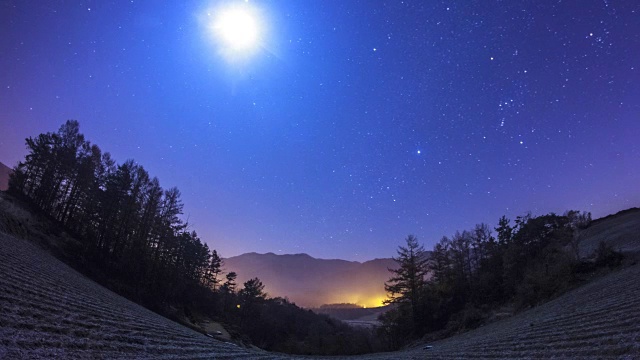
[{"x": 311, "y": 282}]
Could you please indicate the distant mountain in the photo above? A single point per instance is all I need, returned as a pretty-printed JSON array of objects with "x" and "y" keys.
[
  {"x": 311, "y": 282},
  {"x": 5, "y": 171}
]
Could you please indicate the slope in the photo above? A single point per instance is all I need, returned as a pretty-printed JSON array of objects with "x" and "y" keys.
[
  {"x": 621, "y": 231},
  {"x": 598, "y": 320},
  {"x": 49, "y": 310}
]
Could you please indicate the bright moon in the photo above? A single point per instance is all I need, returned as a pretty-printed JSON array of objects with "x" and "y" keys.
[{"x": 238, "y": 29}]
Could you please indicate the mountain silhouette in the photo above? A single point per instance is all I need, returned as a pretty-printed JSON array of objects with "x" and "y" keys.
[{"x": 311, "y": 282}]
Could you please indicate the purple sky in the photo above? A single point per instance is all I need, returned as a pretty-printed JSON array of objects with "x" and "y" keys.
[{"x": 355, "y": 123}]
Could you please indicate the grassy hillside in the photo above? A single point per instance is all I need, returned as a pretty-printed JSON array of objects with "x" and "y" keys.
[
  {"x": 621, "y": 231},
  {"x": 49, "y": 310},
  {"x": 599, "y": 320}
]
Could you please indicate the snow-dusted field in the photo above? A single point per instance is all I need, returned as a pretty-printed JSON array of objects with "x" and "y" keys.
[
  {"x": 622, "y": 232},
  {"x": 48, "y": 310},
  {"x": 600, "y": 320}
]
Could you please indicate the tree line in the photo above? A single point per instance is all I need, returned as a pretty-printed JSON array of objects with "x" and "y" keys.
[
  {"x": 276, "y": 324},
  {"x": 132, "y": 240},
  {"x": 466, "y": 276},
  {"x": 130, "y": 227}
]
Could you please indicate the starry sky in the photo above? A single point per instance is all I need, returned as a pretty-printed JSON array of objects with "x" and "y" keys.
[{"x": 353, "y": 124}]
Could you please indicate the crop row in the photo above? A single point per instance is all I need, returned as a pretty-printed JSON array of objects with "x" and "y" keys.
[
  {"x": 599, "y": 320},
  {"x": 47, "y": 310}
]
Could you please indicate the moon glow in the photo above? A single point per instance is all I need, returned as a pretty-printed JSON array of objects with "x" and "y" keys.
[{"x": 237, "y": 29}]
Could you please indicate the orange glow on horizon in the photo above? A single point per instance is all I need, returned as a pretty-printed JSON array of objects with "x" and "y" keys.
[
  {"x": 365, "y": 300},
  {"x": 372, "y": 302}
]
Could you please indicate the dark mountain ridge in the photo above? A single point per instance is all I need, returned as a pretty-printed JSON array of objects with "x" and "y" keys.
[{"x": 312, "y": 282}]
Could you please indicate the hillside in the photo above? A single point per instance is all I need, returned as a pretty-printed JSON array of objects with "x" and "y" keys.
[
  {"x": 621, "y": 231},
  {"x": 311, "y": 282},
  {"x": 599, "y": 320},
  {"x": 49, "y": 310}
]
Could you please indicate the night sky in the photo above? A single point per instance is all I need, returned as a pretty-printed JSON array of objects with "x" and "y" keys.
[{"x": 353, "y": 123}]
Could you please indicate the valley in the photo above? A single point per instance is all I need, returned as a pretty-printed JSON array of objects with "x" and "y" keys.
[{"x": 47, "y": 309}]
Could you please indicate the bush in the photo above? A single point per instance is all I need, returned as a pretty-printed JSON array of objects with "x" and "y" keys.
[
  {"x": 550, "y": 275},
  {"x": 606, "y": 256}
]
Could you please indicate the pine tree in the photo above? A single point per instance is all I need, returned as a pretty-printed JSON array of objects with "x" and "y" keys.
[
  {"x": 215, "y": 270},
  {"x": 409, "y": 280},
  {"x": 230, "y": 285},
  {"x": 253, "y": 291}
]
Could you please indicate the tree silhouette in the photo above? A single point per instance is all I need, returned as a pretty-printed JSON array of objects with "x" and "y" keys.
[
  {"x": 133, "y": 240},
  {"x": 230, "y": 285},
  {"x": 408, "y": 282},
  {"x": 214, "y": 271},
  {"x": 129, "y": 225},
  {"x": 253, "y": 291}
]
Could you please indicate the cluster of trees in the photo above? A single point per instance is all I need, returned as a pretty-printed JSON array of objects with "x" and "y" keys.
[
  {"x": 132, "y": 235},
  {"x": 276, "y": 324},
  {"x": 455, "y": 286},
  {"x": 133, "y": 240}
]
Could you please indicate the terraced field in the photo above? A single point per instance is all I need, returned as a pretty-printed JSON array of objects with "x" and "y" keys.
[
  {"x": 599, "y": 320},
  {"x": 48, "y": 310},
  {"x": 620, "y": 231}
]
